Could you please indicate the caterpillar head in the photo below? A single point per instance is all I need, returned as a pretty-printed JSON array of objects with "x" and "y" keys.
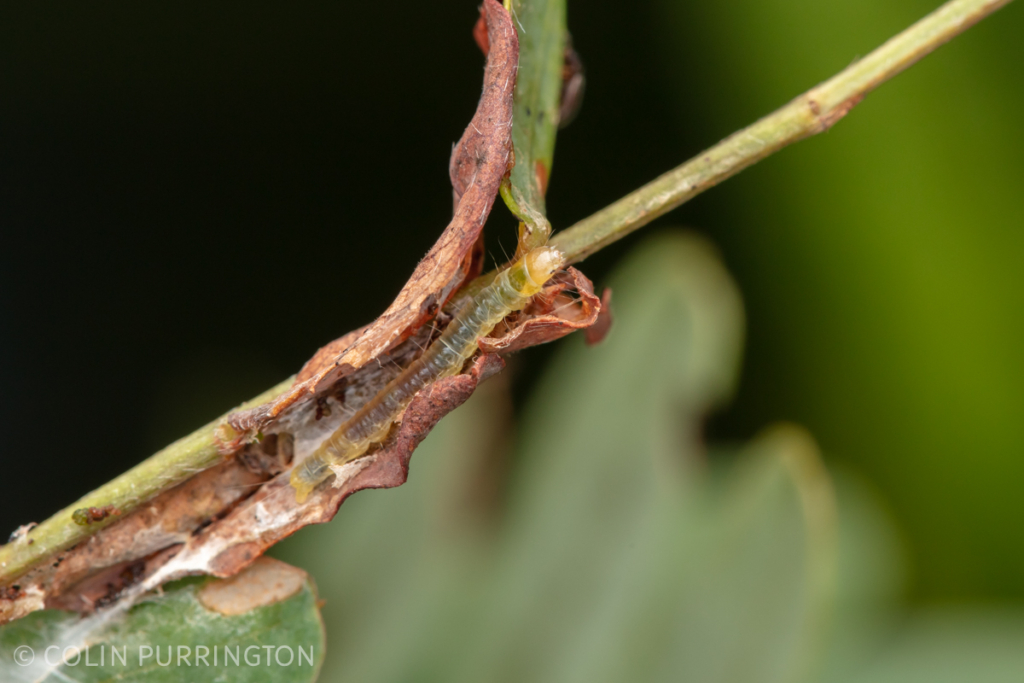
[{"x": 540, "y": 265}]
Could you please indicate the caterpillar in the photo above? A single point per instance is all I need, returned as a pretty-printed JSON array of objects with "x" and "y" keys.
[{"x": 510, "y": 291}]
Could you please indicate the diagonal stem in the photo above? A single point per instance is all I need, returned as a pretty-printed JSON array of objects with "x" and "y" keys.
[{"x": 809, "y": 114}]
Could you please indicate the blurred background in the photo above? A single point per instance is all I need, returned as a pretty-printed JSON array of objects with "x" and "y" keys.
[{"x": 195, "y": 197}]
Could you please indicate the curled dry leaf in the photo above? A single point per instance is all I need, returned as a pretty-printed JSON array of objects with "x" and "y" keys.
[
  {"x": 552, "y": 315},
  {"x": 208, "y": 525},
  {"x": 95, "y": 571},
  {"x": 230, "y": 545},
  {"x": 478, "y": 164}
]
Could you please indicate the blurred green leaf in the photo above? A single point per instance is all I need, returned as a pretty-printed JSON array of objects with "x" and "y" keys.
[
  {"x": 950, "y": 645},
  {"x": 872, "y": 577},
  {"x": 877, "y": 638},
  {"x": 180, "y": 635},
  {"x": 621, "y": 561},
  {"x": 749, "y": 600},
  {"x": 608, "y": 429}
]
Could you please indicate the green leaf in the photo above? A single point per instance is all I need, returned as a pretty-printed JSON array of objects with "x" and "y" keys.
[
  {"x": 746, "y": 597},
  {"x": 260, "y": 626},
  {"x": 877, "y": 638},
  {"x": 949, "y": 645},
  {"x": 623, "y": 559},
  {"x": 871, "y": 579},
  {"x": 541, "y": 28}
]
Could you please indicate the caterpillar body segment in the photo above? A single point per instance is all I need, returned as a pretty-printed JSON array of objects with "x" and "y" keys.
[{"x": 510, "y": 291}]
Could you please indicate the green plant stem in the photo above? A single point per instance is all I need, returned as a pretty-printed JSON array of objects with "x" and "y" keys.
[
  {"x": 813, "y": 112},
  {"x": 161, "y": 471}
]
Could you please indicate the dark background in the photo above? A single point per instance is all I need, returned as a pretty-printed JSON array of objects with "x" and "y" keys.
[{"x": 195, "y": 197}]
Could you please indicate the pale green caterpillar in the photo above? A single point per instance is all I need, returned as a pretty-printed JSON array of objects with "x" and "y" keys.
[{"x": 510, "y": 291}]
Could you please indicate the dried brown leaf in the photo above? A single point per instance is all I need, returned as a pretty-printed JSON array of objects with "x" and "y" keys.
[
  {"x": 552, "y": 315},
  {"x": 86, "y": 574},
  {"x": 479, "y": 161},
  {"x": 229, "y": 545},
  {"x": 160, "y": 542}
]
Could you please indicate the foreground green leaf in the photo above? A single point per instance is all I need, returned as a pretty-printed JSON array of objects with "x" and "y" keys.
[{"x": 261, "y": 626}]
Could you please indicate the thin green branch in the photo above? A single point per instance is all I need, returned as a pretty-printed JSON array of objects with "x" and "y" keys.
[
  {"x": 165, "y": 469},
  {"x": 813, "y": 112}
]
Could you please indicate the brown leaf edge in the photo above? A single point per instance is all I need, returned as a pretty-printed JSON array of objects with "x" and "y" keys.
[
  {"x": 596, "y": 333},
  {"x": 552, "y": 315}
]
